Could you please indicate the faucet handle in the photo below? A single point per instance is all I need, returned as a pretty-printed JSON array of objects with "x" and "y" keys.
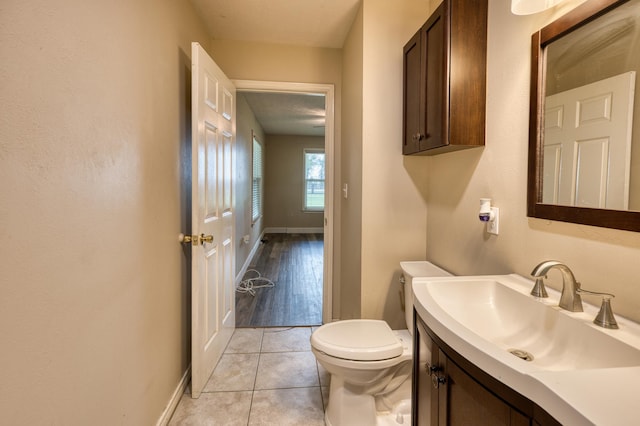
[
  {"x": 605, "y": 317},
  {"x": 539, "y": 289}
]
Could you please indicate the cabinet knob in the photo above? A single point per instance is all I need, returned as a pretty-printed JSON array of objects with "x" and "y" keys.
[
  {"x": 418, "y": 137},
  {"x": 431, "y": 368},
  {"x": 437, "y": 380}
]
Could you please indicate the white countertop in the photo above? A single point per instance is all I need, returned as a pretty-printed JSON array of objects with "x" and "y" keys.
[{"x": 608, "y": 396}]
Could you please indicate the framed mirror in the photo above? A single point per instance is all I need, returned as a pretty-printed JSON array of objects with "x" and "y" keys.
[{"x": 584, "y": 123}]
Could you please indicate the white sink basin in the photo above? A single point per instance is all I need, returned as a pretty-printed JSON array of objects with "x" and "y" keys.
[
  {"x": 514, "y": 321},
  {"x": 497, "y": 314},
  {"x": 573, "y": 362}
]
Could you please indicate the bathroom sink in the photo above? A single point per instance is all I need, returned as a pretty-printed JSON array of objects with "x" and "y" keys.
[
  {"x": 578, "y": 372},
  {"x": 498, "y": 317}
]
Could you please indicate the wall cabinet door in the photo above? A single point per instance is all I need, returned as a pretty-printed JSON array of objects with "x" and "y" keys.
[
  {"x": 435, "y": 84},
  {"x": 445, "y": 80},
  {"x": 424, "y": 86},
  {"x": 412, "y": 78}
]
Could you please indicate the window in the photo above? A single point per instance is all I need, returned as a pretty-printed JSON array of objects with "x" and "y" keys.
[
  {"x": 256, "y": 181},
  {"x": 313, "y": 180}
]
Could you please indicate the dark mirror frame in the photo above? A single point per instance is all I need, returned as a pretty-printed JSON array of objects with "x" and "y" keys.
[{"x": 616, "y": 219}]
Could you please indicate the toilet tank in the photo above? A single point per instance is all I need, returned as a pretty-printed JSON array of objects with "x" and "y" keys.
[{"x": 411, "y": 270}]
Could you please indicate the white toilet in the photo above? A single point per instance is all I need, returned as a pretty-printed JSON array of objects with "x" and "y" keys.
[{"x": 370, "y": 364}]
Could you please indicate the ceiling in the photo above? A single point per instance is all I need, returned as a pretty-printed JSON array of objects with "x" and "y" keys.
[
  {"x": 310, "y": 23},
  {"x": 288, "y": 113},
  {"x": 316, "y": 23}
]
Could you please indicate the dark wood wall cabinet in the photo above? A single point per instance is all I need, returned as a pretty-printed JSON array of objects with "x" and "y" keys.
[
  {"x": 450, "y": 390},
  {"x": 445, "y": 80}
]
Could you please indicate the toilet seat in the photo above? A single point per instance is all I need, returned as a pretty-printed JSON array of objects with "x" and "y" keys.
[{"x": 358, "y": 340}]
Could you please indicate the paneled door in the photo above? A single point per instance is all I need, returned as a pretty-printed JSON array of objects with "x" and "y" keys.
[
  {"x": 587, "y": 148},
  {"x": 212, "y": 242}
]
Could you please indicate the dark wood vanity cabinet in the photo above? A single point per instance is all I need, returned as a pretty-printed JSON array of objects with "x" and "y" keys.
[
  {"x": 445, "y": 80},
  {"x": 449, "y": 390}
]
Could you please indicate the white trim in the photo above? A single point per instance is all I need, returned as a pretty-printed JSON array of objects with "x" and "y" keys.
[
  {"x": 328, "y": 90},
  {"x": 247, "y": 262},
  {"x": 285, "y": 230},
  {"x": 175, "y": 398}
]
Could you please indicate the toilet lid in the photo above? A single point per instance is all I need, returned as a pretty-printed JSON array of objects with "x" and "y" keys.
[{"x": 359, "y": 340}]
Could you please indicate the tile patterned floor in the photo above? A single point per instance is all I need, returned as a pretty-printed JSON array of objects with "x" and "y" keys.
[{"x": 266, "y": 376}]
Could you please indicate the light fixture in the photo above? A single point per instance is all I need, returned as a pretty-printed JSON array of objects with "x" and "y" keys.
[{"x": 528, "y": 7}]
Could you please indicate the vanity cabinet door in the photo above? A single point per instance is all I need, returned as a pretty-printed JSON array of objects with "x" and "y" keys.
[
  {"x": 463, "y": 401},
  {"x": 424, "y": 401},
  {"x": 446, "y": 393}
]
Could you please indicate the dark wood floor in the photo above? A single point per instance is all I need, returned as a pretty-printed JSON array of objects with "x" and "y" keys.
[{"x": 294, "y": 263}]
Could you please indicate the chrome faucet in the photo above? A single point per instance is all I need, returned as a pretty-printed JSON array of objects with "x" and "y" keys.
[{"x": 570, "y": 298}]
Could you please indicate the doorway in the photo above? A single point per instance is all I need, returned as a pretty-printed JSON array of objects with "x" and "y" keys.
[{"x": 321, "y": 237}]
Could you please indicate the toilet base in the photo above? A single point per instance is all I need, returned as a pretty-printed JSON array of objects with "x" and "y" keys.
[
  {"x": 389, "y": 419},
  {"x": 348, "y": 406}
]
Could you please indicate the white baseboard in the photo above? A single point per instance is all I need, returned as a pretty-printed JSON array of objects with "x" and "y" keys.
[
  {"x": 253, "y": 251},
  {"x": 175, "y": 398},
  {"x": 286, "y": 230}
]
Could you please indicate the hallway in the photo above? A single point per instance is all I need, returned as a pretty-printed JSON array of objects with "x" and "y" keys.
[{"x": 265, "y": 377}]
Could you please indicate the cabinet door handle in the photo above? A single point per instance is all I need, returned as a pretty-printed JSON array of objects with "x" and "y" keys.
[
  {"x": 437, "y": 380},
  {"x": 431, "y": 368},
  {"x": 418, "y": 137}
]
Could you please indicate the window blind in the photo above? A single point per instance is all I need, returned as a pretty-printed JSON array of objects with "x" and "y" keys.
[{"x": 257, "y": 186}]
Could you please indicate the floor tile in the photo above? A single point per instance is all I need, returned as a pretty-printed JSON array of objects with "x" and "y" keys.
[
  {"x": 212, "y": 409},
  {"x": 245, "y": 341},
  {"x": 265, "y": 377},
  {"x": 286, "y": 339},
  {"x": 286, "y": 370},
  {"x": 283, "y": 407},
  {"x": 234, "y": 372}
]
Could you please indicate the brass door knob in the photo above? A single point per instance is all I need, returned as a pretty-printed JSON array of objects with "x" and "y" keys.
[
  {"x": 206, "y": 239},
  {"x": 188, "y": 239}
]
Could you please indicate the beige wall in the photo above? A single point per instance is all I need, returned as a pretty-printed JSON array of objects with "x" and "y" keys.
[
  {"x": 284, "y": 182},
  {"x": 270, "y": 62},
  {"x": 394, "y": 219},
  {"x": 602, "y": 259},
  {"x": 245, "y": 123},
  {"x": 94, "y": 144},
  {"x": 347, "y": 301}
]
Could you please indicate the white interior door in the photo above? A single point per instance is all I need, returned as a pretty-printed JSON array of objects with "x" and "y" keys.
[
  {"x": 587, "y": 148},
  {"x": 213, "y": 260}
]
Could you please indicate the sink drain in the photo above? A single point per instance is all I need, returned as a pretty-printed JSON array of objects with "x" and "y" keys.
[{"x": 521, "y": 354}]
